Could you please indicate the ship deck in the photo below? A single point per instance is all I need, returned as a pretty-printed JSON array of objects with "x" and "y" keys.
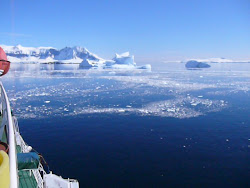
[{"x": 26, "y": 177}]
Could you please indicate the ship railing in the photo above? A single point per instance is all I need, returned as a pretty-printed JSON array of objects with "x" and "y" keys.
[
  {"x": 15, "y": 122},
  {"x": 38, "y": 173},
  {"x": 8, "y": 123},
  {"x": 19, "y": 138}
]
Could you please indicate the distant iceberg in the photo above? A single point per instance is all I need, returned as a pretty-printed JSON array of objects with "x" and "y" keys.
[
  {"x": 217, "y": 60},
  {"x": 147, "y": 66},
  {"x": 206, "y": 63},
  {"x": 86, "y": 63},
  {"x": 196, "y": 64}
]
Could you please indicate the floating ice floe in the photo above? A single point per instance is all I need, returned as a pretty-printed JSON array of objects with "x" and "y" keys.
[
  {"x": 169, "y": 108},
  {"x": 177, "y": 108},
  {"x": 155, "y": 81},
  {"x": 177, "y": 92}
]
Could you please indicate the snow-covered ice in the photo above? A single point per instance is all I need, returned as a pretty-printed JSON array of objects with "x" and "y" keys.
[{"x": 20, "y": 54}]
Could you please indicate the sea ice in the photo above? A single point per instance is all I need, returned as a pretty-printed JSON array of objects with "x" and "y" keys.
[{"x": 177, "y": 92}]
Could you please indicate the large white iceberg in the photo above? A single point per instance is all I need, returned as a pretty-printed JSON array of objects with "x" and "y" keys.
[
  {"x": 120, "y": 61},
  {"x": 124, "y": 59}
]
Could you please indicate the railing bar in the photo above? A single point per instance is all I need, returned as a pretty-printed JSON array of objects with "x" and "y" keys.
[{"x": 11, "y": 141}]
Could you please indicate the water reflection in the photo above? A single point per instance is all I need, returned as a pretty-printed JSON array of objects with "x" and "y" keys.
[
  {"x": 37, "y": 67},
  {"x": 65, "y": 70}
]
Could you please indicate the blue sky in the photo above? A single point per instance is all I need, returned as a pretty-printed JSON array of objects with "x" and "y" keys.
[{"x": 152, "y": 30}]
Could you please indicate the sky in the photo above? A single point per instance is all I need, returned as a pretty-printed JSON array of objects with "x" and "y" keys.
[{"x": 152, "y": 30}]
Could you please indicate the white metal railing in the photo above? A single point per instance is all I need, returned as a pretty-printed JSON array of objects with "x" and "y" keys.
[
  {"x": 37, "y": 175},
  {"x": 7, "y": 121},
  {"x": 19, "y": 139},
  {"x": 25, "y": 148}
]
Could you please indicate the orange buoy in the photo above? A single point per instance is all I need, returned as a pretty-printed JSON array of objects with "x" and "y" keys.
[{"x": 4, "y": 63}]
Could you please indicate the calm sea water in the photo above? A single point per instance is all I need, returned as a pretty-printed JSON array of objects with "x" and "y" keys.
[{"x": 171, "y": 127}]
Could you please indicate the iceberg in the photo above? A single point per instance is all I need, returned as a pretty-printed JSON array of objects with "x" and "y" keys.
[
  {"x": 124, "y": 59},
  {"x": 87, "y": 63},
  {"x": 196, "y": 64},
  {"x": 217, "y": 60},
  {"x": 206, "y": 63},
  {"x": 120, "y": 61},
  {"x": 147, "y": 66}
]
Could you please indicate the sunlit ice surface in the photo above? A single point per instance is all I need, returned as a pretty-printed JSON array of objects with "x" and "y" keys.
[{"x": 37, "y": 91}]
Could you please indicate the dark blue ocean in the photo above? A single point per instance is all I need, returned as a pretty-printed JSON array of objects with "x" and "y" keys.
[{"x": 170, "y": 127}]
